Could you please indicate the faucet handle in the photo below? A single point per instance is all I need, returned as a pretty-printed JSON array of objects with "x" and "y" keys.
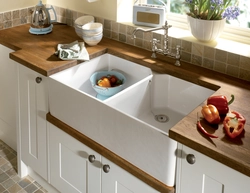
[
  {"x": 178, "y": 48},
  {"x": 178, "y": 55},
  {"x": 155, "y": 41}
]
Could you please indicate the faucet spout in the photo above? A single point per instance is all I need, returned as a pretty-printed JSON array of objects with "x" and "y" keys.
[
  {"x": 165, "y": 51},
  {"x": 145, "y": 30},
  {"x": 164, "y": 27}
]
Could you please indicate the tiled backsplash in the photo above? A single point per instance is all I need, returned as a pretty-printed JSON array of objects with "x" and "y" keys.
[{"x": 197, "y": 54}]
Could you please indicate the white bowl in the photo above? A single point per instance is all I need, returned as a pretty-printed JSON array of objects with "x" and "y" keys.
[
  {"x": 80, "y": 21},
  {"x": 78, "y": 31},
  {"x": 92, "y": 29},
  {"x": 92, "y": 40}
]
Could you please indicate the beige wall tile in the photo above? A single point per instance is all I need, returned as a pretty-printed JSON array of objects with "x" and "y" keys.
[
  {"x": 244, "y": 62},
  {"x": 122, "y": 29},
  {"x": 130, "y": 40},
  {"x": 62, "y": 12},
  {"x": 114, "y": 35},
  {"x": 148, "y": 36},
  {"x": 115, "y": 26},
  {"x": 16, "y": 22},
  {"x": 207, "y": 63},
  {"x": 130, "y": 30},
  {"x": 7, "y": 16},
  {"x": 107, "y": 24},
  {"x": 197, "y": 49},
  {"x": 233, "y": 59},
  {"x": 147, "y": 45},
  {"x": 244, "y": 74},
  {"x": 174, "y": 42},
  {"x": 24, "y": 15},
  {"x": 209, "y": 52},
  {"x": 220, "y": 55},
  {"x": 139, "y": 35},
  {"x": 186, "y": 46},
  {"x": 232, "y": 70},
  {"x": 7, "y": 24},
  {"x": 138, "y": 42},
  {"x": 1, "y": 17},
  {"x": 69, "y": 14},
  {"x": 220, "y": 67},
  {"x": 15, "y": 14},
  {"x": 185, "y": 56},
  {"x": 122, "y": 38},
  {"x": 106, "y": 33},
  {"x": 197, "y": 60}
]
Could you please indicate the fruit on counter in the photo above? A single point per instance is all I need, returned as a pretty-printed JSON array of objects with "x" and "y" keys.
[
  {"x": 202, "y": 129},
  {"x": 109, "y": 81},
  {"x": 220, "y": 102},
  {"x": 211, "y": 114},
  {"x": 234, "y": 124}
]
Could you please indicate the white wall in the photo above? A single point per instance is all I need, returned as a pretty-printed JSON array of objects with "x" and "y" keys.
[
  {"x": 116, "y": 10},
  {"x": 101, "y": 8},
  {"x": 16, "y": 4}
]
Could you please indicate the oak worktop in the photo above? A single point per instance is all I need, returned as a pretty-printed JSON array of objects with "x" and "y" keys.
[{"x": 37, "y": 53}]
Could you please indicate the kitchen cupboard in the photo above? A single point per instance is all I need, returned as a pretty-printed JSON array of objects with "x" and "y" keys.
[
  {"x": 74, "y": 167},
  {"x": 70, "y": 168},
  {"x": 33, "y": 107},
  {"x": 8, "y": 98},
  {"x": 199, "y": 173}
]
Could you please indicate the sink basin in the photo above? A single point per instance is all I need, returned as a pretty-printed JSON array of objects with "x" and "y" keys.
[
  {"x": 133, "y": 123},
  {"x": 162, "y": 102},
  {"x": 78, "y": 76}
]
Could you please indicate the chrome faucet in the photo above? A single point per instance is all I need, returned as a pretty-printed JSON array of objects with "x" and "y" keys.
[{"x": 165, "y": 51}]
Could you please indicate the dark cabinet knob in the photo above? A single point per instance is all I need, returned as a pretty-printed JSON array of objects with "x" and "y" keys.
[
  {"x": 106, "y": 168},
  {"x": 38, "y": 80},
  {"x": 190, "y": 158},
  {"x": 91, "y": 158}
]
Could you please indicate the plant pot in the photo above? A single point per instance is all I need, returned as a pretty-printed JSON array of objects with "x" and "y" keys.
[{"x": 205, "y": 30}]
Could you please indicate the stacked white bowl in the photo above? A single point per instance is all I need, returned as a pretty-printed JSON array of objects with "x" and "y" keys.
[
  {"x": 92, "y": 33},
  {"x": 80, "y": 21}
]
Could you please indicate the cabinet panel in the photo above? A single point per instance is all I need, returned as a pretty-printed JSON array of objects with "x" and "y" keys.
[
  {"x": 118, "y": 180},
  {"x": 33, "y": 106},
  {"x": 71, "y": 171},
  {"x": 8, "y": 97},
  {"x": 206, "y": 175}
]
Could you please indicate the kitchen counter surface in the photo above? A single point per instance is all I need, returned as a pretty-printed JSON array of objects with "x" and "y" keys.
[{"x": 37, "y": 53}]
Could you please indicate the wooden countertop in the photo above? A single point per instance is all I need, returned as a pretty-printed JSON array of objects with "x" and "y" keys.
[{"x": 37, "y": 53}]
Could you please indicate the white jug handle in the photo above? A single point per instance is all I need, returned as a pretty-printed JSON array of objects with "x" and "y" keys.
[{"x": 54, "y": 20}]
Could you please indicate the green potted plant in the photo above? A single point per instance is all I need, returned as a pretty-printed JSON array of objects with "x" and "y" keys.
[{"x": 206, "y": 18}]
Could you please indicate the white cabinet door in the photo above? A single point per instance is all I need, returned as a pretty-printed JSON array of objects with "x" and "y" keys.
[
  {"x": 117, "y": 180},
  {"x": 206, "y": 175},
  {"x": 33, "y": 104},
  {"x": 8, "y": 97},
  {"x": 70, "y": 168}
]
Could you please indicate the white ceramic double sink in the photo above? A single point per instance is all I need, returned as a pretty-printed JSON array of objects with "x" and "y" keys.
[{"x": 133, "y": 123}]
